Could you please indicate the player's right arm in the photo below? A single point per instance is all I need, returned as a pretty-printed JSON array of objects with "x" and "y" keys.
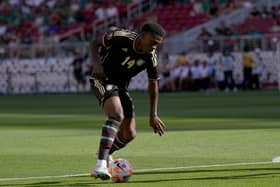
[
  {"x": 98, "y": 50},
  {"x": 97, "y": 69},
  {"x": 155, "y": 122}
]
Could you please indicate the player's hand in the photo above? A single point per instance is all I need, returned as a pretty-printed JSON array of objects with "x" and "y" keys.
[
  {"x": 157, "y": 125},
  {"x": 98, "y": 71}
]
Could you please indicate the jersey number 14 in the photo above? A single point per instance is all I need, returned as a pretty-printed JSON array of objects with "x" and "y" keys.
[{"x": 128, "y": 62}]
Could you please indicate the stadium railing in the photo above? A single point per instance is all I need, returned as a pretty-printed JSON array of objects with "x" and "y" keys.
[{"x": 50, "y": 68}]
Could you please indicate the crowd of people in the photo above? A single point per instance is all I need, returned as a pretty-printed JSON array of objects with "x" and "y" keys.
[
  {"x": 264, "y": 20},
  {"x": 35, "y": 21},
  {"x": 47, "y": 21},
  {"x": 215, "y": 71}
]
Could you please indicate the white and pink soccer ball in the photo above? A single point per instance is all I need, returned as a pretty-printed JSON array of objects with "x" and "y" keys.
[{"x": 121, "y": 170}]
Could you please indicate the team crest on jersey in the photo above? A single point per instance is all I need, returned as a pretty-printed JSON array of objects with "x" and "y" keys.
[{"x": 140, "y": 62}]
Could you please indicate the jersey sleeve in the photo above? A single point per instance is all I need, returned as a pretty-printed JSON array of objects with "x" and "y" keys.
[
  {"x": 115, "y": 37},
  {"x": 152, "y": 69},
  {"x": 108, "y": 39}
]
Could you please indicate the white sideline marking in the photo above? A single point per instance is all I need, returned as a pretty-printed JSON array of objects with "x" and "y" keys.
[{"x": 138, "y": 171}]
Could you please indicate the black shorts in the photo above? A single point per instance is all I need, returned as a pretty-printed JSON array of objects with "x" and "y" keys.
[{"x": 103, "y": 91}]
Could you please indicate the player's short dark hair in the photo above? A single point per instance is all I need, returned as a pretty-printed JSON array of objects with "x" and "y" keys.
[{"x": 153, "y": 28}]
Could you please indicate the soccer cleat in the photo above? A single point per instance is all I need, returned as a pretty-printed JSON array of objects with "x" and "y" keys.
[
  {"x": 101, "y": 172},
  {"x": 109, "y": 160}
]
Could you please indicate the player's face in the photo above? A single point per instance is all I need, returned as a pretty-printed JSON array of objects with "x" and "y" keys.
[{"x": 150, "y": 42}]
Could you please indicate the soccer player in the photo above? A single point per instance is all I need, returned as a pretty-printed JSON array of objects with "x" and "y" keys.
[{"x": 121, "y": 56}]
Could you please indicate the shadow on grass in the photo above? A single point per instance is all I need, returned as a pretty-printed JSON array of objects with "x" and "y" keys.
[
  {"x": 208, "y": 171},
  {"x": 87, "y": 181},
  {"x": 73, "y": 181},
  {"x": 229, "y": 177},
  {"x": 177, "y": 127}
]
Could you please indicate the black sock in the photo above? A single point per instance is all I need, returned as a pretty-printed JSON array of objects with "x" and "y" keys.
[{"x": 118, "y": 143}]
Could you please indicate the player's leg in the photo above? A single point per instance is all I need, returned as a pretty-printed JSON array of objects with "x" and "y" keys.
[
  {"x": 126, "y": 133},
  {"x": 127, "y": 130},
  {"x": 112, "y": 107}
]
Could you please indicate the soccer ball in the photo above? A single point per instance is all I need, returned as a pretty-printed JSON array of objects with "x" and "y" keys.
[{"x": 121, "y": 170}]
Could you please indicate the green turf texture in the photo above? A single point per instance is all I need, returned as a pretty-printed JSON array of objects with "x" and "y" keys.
[{"x": 42, "y": 135}]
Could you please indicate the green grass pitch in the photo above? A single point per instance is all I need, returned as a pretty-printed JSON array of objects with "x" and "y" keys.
[{"x": 57, "y": 135}]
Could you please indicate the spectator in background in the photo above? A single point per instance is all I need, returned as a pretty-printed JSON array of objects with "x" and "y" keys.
[
  {"x": 33, "y": 3},
  {"x": 185, "y": 77},
  {"x": 100, "y": 12},
  {"x": 247, "y": 4},
  {"x": 214, "y": 8},
  {"x": 227, "y": 61},
  {"x": 195, "y": 75},
  {"x": 219, "y": 76},
  {"x": 223, "y": 29},
  {"x": 229, "y": 8},
  {"x": 164, "y": 69},
  {"x": 276, "y": 26},
  {"x": 181, "y": 58},
  {"x": 204, "y": 33},
  {"x": 257, "y": 70},
  {"x": 172, "y": 83},
  {"x": 204, "y": 37},
  {"x": 247, "y": 59},
  {"x": 238, "y": 81},
  {"x": 197, "y": 6},
  {"x": 273, "y": 12},
  {"x": 205, "y": 5},
  {"x": 106, "y": 10},
  {"x": 255, "y": 12},
  {"x": 51, "y": 3},
  {"x": 212, "y": 61},
  {"x": 183, "y": 70},
  {"x": 204, "y": 75},
  {"x": 111, "y": 10},
  {"x": 3, "y": 29},
  {"x": 79, "y": 70},
  {"x": 265, "y": 12}
]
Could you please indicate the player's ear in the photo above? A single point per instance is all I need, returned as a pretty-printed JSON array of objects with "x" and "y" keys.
[{"x": 142, "y": 35}]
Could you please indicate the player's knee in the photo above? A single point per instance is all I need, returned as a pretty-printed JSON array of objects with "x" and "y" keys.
[{"x": 117, "y": 116}]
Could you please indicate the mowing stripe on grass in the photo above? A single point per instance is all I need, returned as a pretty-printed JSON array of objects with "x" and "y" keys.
[{"x": 139, "y": 170}]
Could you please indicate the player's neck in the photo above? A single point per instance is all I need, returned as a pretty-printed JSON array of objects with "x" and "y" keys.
[{"x": 137, "y": 45}]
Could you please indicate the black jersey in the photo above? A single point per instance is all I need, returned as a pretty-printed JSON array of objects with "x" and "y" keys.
[{"x": 120, "y": 60}]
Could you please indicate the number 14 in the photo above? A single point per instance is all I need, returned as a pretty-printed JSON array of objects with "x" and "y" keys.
[{"x": 128, "y": 62}]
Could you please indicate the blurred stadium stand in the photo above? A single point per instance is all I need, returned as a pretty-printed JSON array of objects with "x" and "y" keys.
[{"x": 40, "y": 40}]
